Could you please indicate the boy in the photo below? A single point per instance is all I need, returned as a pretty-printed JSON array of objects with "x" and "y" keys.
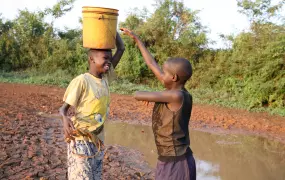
[
  {"x": 171, "y": 115},
  {"x": 89, "y": 94}
]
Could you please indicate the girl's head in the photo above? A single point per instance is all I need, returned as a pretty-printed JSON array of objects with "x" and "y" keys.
[
  {"x": 100, "y": 60},
  {"x": 176, "y": 71}
]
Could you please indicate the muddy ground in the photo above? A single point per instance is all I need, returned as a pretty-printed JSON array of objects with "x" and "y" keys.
[{"x": 32, "y": 145}]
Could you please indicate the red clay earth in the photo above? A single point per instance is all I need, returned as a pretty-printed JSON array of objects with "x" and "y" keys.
[{"x": 32, "y": 146}]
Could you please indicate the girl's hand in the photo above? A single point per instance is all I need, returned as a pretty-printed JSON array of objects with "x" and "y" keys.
[
  {"x": 68, "y": 128},
  {"x": 129, "y": 33},
  {"x": 119, "y": 42}
]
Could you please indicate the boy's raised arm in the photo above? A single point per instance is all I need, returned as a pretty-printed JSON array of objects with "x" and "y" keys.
[
  {"x": 120, "y": 50},
  {"x": 151, "y": 63}
]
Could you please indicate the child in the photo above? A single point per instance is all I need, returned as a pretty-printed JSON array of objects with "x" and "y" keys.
[
  {"x": 171, "y": 114},
  {"x": 89, "y": 94}
]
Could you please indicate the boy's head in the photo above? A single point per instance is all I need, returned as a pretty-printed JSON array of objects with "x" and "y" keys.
[
  {"x": 100, "y": 60},
  {"x": 176, "y": 70}
]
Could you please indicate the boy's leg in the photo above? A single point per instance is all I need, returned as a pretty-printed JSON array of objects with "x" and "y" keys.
[
  {"x": 192, "y": 167},
  {"x": 183, "y": 170},
  {"x": 84, "y": 168}
]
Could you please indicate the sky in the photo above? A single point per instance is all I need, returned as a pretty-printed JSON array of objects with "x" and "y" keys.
[{"x": 220, "y": 16}]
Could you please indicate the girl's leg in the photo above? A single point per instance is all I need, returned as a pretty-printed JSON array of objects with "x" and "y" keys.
[{"x": 84, "y": 168}]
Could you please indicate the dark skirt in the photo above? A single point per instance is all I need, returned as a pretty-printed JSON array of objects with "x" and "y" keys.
[{"x": 184, "y": 169}]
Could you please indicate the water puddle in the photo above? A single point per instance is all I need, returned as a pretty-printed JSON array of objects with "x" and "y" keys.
[{"x": 218, "y": 157}]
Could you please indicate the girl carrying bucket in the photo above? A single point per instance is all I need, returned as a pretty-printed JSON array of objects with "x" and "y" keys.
[{"x": 89, "y": 94}]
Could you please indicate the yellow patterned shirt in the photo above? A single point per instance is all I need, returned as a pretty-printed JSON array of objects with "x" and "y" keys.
[{"x": 91, "y": 98}]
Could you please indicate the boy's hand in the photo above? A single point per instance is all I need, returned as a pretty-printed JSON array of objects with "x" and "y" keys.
[
  {"x": 129, "y": 33},
  {"x": 146, "y": 103},
  {"x": 68, "y": 128}
]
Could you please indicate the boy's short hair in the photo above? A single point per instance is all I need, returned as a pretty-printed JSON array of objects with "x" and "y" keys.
[
  {"x": 92, "y": 52},
  {"x": 182, "y": 67}
]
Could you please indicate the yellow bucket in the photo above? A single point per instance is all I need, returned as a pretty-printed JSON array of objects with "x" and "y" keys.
[{"x": 99, "y": 27}]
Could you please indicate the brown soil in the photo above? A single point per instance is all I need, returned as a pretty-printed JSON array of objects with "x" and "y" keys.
[{"x": 32, "y": 146}]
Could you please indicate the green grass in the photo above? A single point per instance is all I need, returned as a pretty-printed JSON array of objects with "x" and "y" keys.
[
  {"x": 58, "y": 78},
  {"x": 220, "y": 98},
  {"x": 126, "y": 87},
  {"x": 61, "y": 79},
  {"x": 201, "y": 96}
]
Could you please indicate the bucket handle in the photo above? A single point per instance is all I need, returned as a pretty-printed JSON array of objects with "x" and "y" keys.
[{"x": 101, "y": 17}]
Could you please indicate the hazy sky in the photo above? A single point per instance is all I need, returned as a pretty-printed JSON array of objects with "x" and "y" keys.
[{"x": 220, "y": 16}]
